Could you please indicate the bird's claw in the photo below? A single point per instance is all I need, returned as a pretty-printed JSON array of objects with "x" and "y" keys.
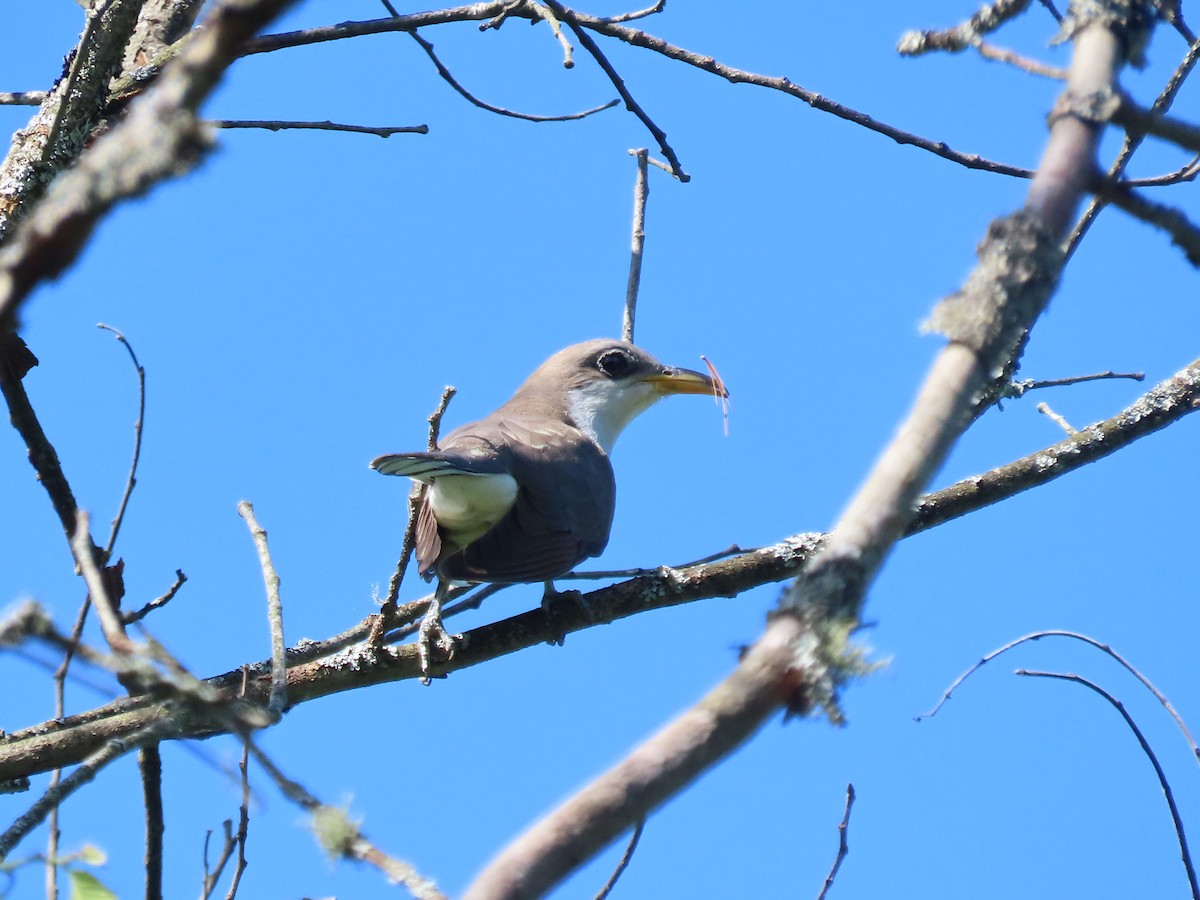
[{"x": 434, "y": 643}]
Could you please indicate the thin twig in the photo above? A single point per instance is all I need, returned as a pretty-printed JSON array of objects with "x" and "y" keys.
[
  {"x": 278, "y": 699},
  {"x": 1045, "y": 410},
  {"x": 158, "y": 602},
  {"x": 626, "y": 858},
  {"x": 415, "y": 496},
  {"x": 1141, "y": 738},
  {"x": 637, "y": 14},
  {"x": 131, "y": 481},
  {"x": 339, "y": 836},
  {"x": 1032, "y": 66},
  {"x": 646, "y": 41},
  {"x": 449, "y": 78},
  {"x": 954, "y": 40},
  {"x": 1020, "y": 388},
  {"x": 1130, "y": 145},
  {"x": 243, "y": 824},
  {"x": 382, "y": 131},
  {"x": 211, "y": 877},
  {"x": 1076, "y": 636},
  {"x": 641, "y": 192},
  {"x": 1185, "y": 173},
  {"x": 843, "y": 843},
  {"x": 547, "y": 15},
  {"x": 631, "y": 104}
]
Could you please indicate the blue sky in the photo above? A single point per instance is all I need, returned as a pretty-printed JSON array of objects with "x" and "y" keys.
[{"x": 300, "y": 300}]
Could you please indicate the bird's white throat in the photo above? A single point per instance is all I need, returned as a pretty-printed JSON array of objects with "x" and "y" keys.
[{"x": 601, "y": 409}]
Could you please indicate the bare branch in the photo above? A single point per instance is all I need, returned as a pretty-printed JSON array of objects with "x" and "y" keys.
[
  {"x": 641, "y": 192},
  {"x": 548, "y": 15},
  {"x": 988, "y": 18},
  {"x": 638, "y": 14},
  {"x": 1161, "y": 104},
  {"x": 631, "y": 104},
  {"x": 414, "y": 504},
  {"x": 278, "y": 698},
  {"x": 1032, "y": 66},
  {"x": 131, "y": 481},
  {"x": 243, "y": 823},
  {"x": 1020, "y": 388},
  {"x": 612, "y": 28},
  {"x": 159, "y": 138},
  {"x": 449, "y": 78},
  {"x": 1054, "y": 417},
  {"x": 280, "y": 125},
  {"x": 1162, "y": 777},
  {"x": 1185, "y": 173},
  {"x": 137, "y": 616},
  {"x": 1076, "y": 636},
  {"x": 843, "y": 843},
  {"x": 626, "y": 858},
  {"x": 341, "y": 837},
  {"x": 209, "y": 881}
]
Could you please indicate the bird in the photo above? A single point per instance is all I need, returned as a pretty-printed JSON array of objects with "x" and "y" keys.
[{"x": 527, "y": 493}]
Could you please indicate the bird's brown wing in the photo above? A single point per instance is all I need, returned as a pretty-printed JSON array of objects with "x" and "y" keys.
[{"x": 563, "y": 510}]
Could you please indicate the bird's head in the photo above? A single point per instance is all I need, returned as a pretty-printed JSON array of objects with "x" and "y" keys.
[{"x": 603, "y": 385}]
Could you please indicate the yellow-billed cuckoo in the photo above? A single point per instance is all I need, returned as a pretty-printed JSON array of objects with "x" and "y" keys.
[{"x": 527, "y": 493}]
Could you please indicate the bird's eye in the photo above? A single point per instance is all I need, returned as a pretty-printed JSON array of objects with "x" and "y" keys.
[{"x": 614, "y": 363}]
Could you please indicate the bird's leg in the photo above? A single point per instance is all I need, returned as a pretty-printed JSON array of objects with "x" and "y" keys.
[{"x": 432, "y": 632}]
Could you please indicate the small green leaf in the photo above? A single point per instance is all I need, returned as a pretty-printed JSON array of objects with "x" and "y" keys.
[{"x": 86, "y": 886}]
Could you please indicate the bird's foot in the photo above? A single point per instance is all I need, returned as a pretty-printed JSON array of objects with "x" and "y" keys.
[
  {"x": 550, "y": 595},
  {"x": 434, "y": 642}
]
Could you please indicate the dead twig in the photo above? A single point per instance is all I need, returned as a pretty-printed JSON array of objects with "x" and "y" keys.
[
  {"x": 641, "y": 192},
  {"x": 449, "y": 78},
  {"x": 278, "y": 696},
  {"x": 631, "y": 104},
  {"x": 157, "y": 603},
  {"x": 382, "y": 131},
  {"x": 843, "y": 843},
  {"x": 340, "y": 836},
  {"x": 626, "y": 858},
  {"x": 1168, "y": 795}
]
